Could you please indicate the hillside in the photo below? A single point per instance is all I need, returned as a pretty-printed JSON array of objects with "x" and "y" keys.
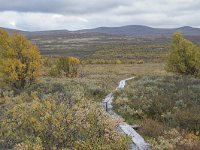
[
  {"x": 102, "y": 42},
  {"x": 138, "y": 30},
  {"x": 130, "y": 30}
]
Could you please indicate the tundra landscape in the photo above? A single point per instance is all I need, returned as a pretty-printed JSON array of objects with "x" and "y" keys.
[{"x": 126, "y": 87}]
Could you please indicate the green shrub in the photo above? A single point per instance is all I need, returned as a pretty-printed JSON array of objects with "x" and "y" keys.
[
  {"x": 65, "y": 67},
  {"x": 47, "y": 61},
  {"x": 53, "y": 71},
  {"x": 173, "y": 100},
  {"x": 184, "y": 57},
  {"x": 151, "y": 128},
  {"x": 95, "y": 92},
  {"x": 174, "y": 140}
]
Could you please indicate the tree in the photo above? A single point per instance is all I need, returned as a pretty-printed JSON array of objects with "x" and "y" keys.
[
  {"x": 184, "y": 57},
  {"x": 20, "y": 60}
]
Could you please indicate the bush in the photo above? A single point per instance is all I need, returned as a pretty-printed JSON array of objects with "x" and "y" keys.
[
  {"x": 140, "y": 62},
  {"x": 173, "y": 100},
  {"x": 48, "y": 61},
  {"x": 174, "y": 140},
  {"x": 65, "y": 66},
  {"x": 151, "y": 128},
  {"x": 46, "y": 88},
  {"x": 48, "y": 124},
  {"x": 166, "y": 107},
  {"x": 95, "y": 92},
  {"x": 20, "y": 60},
  {"x": 118, "y": 61},
  {"x": 184, "y": 57}
]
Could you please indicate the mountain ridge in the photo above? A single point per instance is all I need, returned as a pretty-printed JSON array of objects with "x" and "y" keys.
[
  {"x": 140, "y": 30},
  {"x": 129, "y": 30}
]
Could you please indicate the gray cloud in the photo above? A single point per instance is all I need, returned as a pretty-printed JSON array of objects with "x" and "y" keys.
[
  {"x": 60, "y": 6},
  {"x": 78, "y": 14}
]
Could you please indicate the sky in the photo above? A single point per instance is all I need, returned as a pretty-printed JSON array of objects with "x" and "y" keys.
[{"x": 37, "y": 15}]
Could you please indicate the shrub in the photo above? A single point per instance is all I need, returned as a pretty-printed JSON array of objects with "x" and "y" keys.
[
  {"x": 151, "y": 128},
  {"x": 46, "y": 88},
  {"x": 53, "y": 72},
  {"x": 20, "y": 60},
  {"x": 173, "y": 100},
  {"x": 184, "y": 57},
  {"x": 48, "y": 124},
  {"x": 48, "y": 61},
  {"x": 187, "y": 118},
  {"x": 95, "y": 92},
  {"x": 174, "y": 140},
  {"x": 118, "y": 61},
  {"x": 140, "y": 62},
  {"x": 65, "y": 66}
]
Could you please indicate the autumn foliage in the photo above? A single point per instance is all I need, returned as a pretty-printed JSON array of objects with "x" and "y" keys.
[
  {"x": 51, "y": 125},
  {"x": 20, "y": 60},
  {"x": 65, "y": 66}
]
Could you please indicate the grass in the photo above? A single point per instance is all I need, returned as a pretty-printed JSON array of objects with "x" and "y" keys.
[
  {"x": 133, "y": 53},
  {"x": 124, "y": 70},
  {"x": 108, "y": 75}
]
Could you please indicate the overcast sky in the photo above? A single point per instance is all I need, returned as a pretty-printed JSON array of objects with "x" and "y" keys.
[{"x": 34, "y": 15}]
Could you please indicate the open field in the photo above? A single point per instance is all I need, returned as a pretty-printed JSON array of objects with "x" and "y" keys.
[
  {"x": 124, "y": 70},
  {"x": 95, "y": 77}
]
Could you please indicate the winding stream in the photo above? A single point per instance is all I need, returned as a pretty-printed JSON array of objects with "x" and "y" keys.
[{"x": 138, "y": 141}]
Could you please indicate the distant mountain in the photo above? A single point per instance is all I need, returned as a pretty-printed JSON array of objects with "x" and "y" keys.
[
  {"x": 14, "y": 30},
  {"x": 138, "y": 30},
  {"x": 38, "y": 33},
  {"x": 131, "y": 30},
  {"x": 84, "y": 43},
  {"x": 47, "y": 33}
]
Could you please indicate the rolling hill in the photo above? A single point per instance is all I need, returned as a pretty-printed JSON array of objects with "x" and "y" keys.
[
  {"x": 130, "y": 30},
  {"x": 138, "y": 30},
  {"x": 101, "y": 42}
]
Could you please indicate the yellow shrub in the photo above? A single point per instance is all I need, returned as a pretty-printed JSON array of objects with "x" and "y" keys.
[
  {"x": 118, "y": 61},
  {"x": 49, "y": 124},
  {"x": 140, "y": 62},
  {"x": 20, "y": 60},
  {"x": 65, "y": 66}
]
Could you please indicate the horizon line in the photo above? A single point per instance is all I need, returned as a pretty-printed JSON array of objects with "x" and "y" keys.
[{"x": 99, "y": 27}]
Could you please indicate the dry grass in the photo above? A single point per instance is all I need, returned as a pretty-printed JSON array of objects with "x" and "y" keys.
[
  {"x": 111, "y": 74},
  {"x": 124, "y": 70},
  {"x": 108, "y": 75}
]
